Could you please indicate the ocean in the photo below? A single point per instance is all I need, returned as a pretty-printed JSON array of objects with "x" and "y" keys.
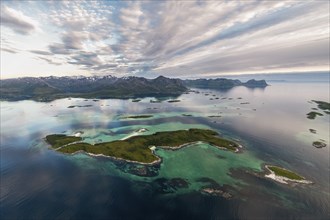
[{"x": 270, "y": 123}]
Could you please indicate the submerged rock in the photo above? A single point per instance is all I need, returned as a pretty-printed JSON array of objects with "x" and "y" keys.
[{"x": 164, "y": 185}]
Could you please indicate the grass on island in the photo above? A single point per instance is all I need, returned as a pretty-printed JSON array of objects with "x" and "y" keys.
[
  {"x": 59, "y": 140},
  {"x": 285, "y": 173},
  {"x": 136, "y": 148},
  {"x": 137, "y": 116},
  {"x": 312, "y": 115}
]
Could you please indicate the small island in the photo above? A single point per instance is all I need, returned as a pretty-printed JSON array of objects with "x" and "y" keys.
[
  {"x": 321, "y": 105},
  {"x": 136, "y": 100},
  {"x": 319, "y": 144},
  {"x": 284, "y": 176},
  {"x": 79, "y": 106},
  {"x": 173, "y": 100},
  {"x": 312, "y": 115},
  {"x": 140, "y": 149},
  {"x": 313, "y": 131},
  {"x": 136, "y": 116}
]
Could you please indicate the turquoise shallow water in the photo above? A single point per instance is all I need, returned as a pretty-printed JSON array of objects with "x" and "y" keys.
[
  {"x": 203, "y": 160},
  {"x": 189, "y": 163}
]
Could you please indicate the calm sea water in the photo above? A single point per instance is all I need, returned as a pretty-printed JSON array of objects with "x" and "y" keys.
[{"x": 270, "y": 123}]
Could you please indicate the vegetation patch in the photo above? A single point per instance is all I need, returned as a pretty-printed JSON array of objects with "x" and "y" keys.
[
  {"x": 285, "y": 173},
  {"x": 59, "y": 140}
]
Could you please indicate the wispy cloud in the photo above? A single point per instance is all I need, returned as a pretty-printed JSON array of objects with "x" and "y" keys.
[
  {"x": 49, "y": 61},
  {"x": 40, "y": 52},
  {"x": 181, "y": 38},
  {"x": 17, "y": 21},
  {"x": 9, "y": 50}
]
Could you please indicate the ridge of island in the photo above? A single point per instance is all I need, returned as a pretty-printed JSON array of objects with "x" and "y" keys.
[{"x": 139, "y": 149}]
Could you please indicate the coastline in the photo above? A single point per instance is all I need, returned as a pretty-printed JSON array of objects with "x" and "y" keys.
[{"x": 237, "y": 150}]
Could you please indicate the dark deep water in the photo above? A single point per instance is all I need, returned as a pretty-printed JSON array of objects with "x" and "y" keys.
[{"x": 39, "y": 183}]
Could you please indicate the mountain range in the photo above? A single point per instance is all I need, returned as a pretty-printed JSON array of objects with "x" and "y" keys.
[{"x": 51, "y": 88}]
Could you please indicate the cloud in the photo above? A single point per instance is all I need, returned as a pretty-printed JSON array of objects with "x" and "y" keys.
[
  {"x": 184, "y": 37},
  {"x": 242, "y": 36},
  {"x": 86, "y": 59},
  {"x": 59, "y": 49},
  {"x": 40, "y": 52},
  {"x": 74, "y": 40},
  {"x": 17, "y": 21},
  {"x": 9, "y": 50},
  {"x": 49, "y": 61}
]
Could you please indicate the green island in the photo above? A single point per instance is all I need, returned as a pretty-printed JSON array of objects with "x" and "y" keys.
[
  {"x": 319, "y": 144},
  {"x": 137, "y": 116},
  {"x": 278, "y": 171},
  {"x": 140, "y": 148},
  {"x": 312, "y": 115},
  {"x": 322, "y": 105}
]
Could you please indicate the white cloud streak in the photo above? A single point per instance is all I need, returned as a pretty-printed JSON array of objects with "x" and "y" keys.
[{"x": 17, "y": 21}]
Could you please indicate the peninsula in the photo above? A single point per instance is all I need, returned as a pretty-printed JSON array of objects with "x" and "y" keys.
[{"x": 140, "y": 148}]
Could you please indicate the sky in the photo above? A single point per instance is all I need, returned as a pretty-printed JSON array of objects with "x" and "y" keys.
[{"x": 184, "y": 39}]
